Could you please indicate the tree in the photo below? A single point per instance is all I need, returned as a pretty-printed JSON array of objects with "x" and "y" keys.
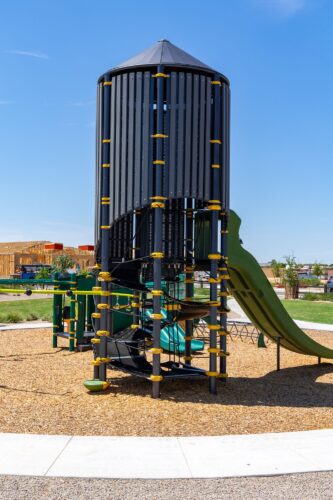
[
  {"x": 290, "y": 278},
  {"x": 44, "y": 273},
  {"x": 276, "y": 269},
  {"x": 317, "y": 269},
  {"x": 62, "y": 263}
]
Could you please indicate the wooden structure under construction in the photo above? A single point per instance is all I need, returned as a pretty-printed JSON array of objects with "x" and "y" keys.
[{"x": 15, "y": 254}]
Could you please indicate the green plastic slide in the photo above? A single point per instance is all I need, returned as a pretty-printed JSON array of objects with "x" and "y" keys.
[
  {"x": 173, "y": 337},
  {"x": 253, "y": 292}
]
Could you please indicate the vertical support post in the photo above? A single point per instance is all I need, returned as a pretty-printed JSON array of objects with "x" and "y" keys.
[
  {"x": 319, "y": 361},
  {"x": 157, "y": 254},
  {"x": 189, "y": 282},
  {"x": 135, "y": 305},
  {"x": 57, "y": 319},
  {"x": 72, "y": 315},
  {"x": 214, "y": 257},
  {"x": 278, "y": 352},
  {"x": 104, "y": 276},
  {"x": 97, "y": 326}
]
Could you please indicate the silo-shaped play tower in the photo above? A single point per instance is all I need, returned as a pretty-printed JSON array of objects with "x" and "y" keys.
[{"x": 162, "y": 198}]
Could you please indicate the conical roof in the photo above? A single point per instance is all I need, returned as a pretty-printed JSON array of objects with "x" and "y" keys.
[{"x": 164, "y": 52}]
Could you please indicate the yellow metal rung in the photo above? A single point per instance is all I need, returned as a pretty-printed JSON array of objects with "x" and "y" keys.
[
  {"x": 157, "y": 255},
  {"x": 156, "y": 378},
  {"x": 159, "y": 136},
  {"x": 156, "y": 350}
]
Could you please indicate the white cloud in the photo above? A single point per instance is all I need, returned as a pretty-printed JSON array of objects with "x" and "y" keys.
[
  {"x": 283, "y": 7},
  {"x": 38, "y": 55}
]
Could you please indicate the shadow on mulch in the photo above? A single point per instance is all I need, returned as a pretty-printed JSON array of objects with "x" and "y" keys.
[{"x": 295, "y": 387}]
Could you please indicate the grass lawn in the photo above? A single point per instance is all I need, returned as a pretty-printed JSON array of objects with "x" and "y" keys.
[
  {"x": 25, "y": 310},
  {"x": 318, "y": 312}
]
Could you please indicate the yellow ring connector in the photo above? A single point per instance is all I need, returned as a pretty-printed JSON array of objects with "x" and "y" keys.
[
  {"x": 104, "y": 360},
  {"x": 213, "y": 350},
  {"x": 214, "y": 327},
  {"x": 215, "y": 141},
  {"x": 160, "y": 75},
  {"x": 159, "y": 136},
  {"x": 156, "y": 378},
  {"x": 158, "y": 162},
  {"x": 107, "y": 83},
  {"x": 103, "y": 306},
  {"x": 106, "y": 141},
  {"x": 216, "y": 82},
  {"x": 105, "y": 227},
  {"x": 223, "y": 294},
  {"x": 105, "y": 165},
  {"x": 216, "y": 165},
  {"x": 157, "y": 204},
  {"x": 157, "y": 255},
  {"x": 188, "y": 337},
  {"x": 102, "y": 333},
  {"x": 214, "y": 256},
  {"x": 134, "y": 327},
  {"x": 188, "y": 358},
  {"x": 97, "y": 266},
  {"x": 96, "y": 315},
  {"x": 104, "y": 276},
  {"x": 189, "y": 269},
  {"x": 223, "y": 333},
  {"x": 95, "y": 341},
  {"x": 223, "y": 354},
  {"x": 215, "y": 303},
  {"x": 217, "y": 375},
  {"x": 95, "y": 363},
  {"x": 214, "y": 207},
  {"x": 162, "y": 198},
  {"x": 156, "y": 316},
  {"x": 156, "y": 350},
  {"x": 105, "y": 198},
  {"x": 188, "y": 281},
  {"x": 214, "y": 280},
  {"x": 157, "y": 293}
]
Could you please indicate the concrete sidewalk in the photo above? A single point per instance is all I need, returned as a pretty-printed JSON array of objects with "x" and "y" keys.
[{"x": 166, "y": 457}]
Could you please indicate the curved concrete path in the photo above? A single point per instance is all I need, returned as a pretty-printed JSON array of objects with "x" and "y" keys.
[{"x": 166, "y": 457}]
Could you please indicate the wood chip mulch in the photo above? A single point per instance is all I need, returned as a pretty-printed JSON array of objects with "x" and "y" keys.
[{"x": 41, "y": 391}]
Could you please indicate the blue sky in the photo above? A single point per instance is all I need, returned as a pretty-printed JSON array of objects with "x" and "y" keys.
[{"x": 278, "y": 56}]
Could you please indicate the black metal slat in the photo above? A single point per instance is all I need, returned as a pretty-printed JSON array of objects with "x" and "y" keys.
[
  {"x": 112, "y": 146},
  {"x": 131, "y": 140},
  {"x": 123, "y": 164},
  {"x": 173, "y": 135},
  {"x": 138, "y": 141},
  {"x": 180, "y": 135},
  {"x": 208, "y": 126},
  {"x": 188, "y": 161},
  {"x": 195, "y": 138},
  {"x": 146, "y": 163},
  {"x": 117, "y": 157},
  {"x": 202, "y": 138}
]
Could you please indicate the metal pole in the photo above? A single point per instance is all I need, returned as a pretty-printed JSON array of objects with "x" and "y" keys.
[
  {"x": 189, "y": 282},
  {"x": 104, "y": 276},
  {"x": 157, "y": 254},
  {"x": 72, "y": 316},
  {"x": 214, "y": 257},
  {"x": 278, "y": 349}
]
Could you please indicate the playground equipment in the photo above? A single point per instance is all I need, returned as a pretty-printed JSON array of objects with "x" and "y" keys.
[
  {"x": 162, "y": 210},
  {"x": 162, "y": 155}
]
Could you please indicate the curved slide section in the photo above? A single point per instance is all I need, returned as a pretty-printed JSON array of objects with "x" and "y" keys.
[{"x": 252, "y": 290}]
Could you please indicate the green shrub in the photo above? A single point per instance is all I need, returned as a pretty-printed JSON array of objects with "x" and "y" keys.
[
  {"x": 327, "y": 297},
  {"x": 13, "y": 317},
  {"x": 31, "y": 317},
  {"x": 304, "y": 282}
]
